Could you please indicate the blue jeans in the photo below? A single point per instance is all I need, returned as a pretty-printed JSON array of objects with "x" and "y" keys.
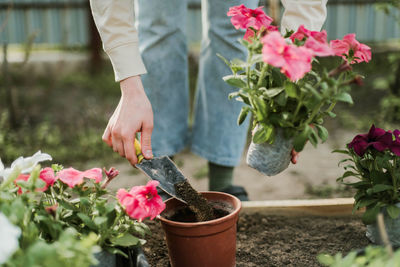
[{"x": 163, "y": 45}]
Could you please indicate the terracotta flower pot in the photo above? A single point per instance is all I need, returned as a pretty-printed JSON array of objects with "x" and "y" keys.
[{"x": 199, "y": 244}]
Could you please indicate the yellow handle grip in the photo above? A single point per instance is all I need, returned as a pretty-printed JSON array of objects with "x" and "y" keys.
[{"x": 138, "y": 150}]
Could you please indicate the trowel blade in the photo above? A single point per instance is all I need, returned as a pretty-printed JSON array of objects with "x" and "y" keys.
[{"x": 163, "y": 170}]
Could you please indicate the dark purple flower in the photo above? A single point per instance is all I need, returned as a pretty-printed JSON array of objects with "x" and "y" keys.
[
  {"x": 396, "y": 134},
  {"x": 395, "y": 147},
  {"x": 376, "y": 137}
]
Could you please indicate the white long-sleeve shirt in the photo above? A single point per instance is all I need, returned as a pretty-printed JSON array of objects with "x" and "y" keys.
[{"x": 115, "y": 22}]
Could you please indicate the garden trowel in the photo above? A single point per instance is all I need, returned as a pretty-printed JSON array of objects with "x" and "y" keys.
[{"x": 161, "y": 169}]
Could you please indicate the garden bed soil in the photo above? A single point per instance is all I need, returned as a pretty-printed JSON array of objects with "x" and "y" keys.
[{"x": 277, "y": 240}]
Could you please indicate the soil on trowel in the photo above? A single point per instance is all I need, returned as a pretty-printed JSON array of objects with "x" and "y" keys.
[
  {"x": 201, "y": 208},
  {"x": 275, "y": 240}
]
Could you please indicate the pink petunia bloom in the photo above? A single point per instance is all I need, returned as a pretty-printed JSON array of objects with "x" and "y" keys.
[
  {"x": 250, "y": 33},
  {"x": 73, "y": 177},
  {"x": 21, "y": 177},
  {"x": 300, "y": 34},
  {"x": 294, "y": 61},
  {"x": 314, "y": 40},
  {"x": 47, "y": 175},
  {"x": 141, "y": 201},
  {"x": 361, "y": 52},
  {"x": 244, "y": 18}
]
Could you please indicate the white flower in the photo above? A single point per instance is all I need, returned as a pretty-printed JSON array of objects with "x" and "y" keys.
[
  {"x": 9, "y": 235},
  {"x": 25, "y": 165}
]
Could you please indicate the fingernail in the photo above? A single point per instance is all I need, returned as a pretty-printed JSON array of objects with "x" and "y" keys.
[
  {"x": 148, "y": 153},
  {"x": 296, "y": 158}
]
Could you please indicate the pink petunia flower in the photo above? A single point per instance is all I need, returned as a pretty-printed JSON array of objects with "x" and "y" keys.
[
  {"x": 244, "y": 18},
  {"x": 314, "y": 40},
  {"x": 141, "y": 201},
  {"x": 250, "y": 33},
  {"x": 21, "y": 177},
  {"x": 300, "y": 34},
  {"x": 47, "y": 175},
  {"x": 351, "y": 50},
  {"x": 294, "y": 61},
  {"x": 73, "y": 177}
]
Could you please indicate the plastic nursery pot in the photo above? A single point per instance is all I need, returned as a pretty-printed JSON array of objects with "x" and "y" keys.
[
  {"x": 270, "y": 159},
  {"x": 200, "y": 244},
  {"x": 392, "y": 227}
]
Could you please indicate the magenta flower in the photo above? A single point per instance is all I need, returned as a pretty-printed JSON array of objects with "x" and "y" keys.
[
  {"x": 293, "y": 61},
  {"x": 376, "y": 138},
  {"x": 21, "y": 177},
  {"x": 141, "y": 201},
  {"x": 47, "y": 175},
  {"x": 73, "y": 177},
  {"x": 244, "y": 18},
  {"x": 351, "y": 50},
  {"x": 314, "y": 40},
  {"x": 300, "y": 34}
]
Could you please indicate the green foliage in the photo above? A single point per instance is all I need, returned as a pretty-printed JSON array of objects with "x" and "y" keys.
[
  {"x": 373, "y": 257},
  {"x": 276, "y": 102},
  {"x": 66, "y": 248},
  {"x": 64, "y": 226},
  {"x": 62, "y": 114},
  {"x": 378, "y": 184}
]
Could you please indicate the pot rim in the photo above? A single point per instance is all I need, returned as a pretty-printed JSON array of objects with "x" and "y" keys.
[{"x": 228, "y": 217}]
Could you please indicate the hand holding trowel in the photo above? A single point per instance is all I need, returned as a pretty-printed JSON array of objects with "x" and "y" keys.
[{"x": 161, "y": 169}]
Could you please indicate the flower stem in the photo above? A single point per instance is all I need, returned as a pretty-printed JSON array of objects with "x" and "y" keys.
[
  {"x": 248, "y": 68},
  {"x": 262, "y": 76}
]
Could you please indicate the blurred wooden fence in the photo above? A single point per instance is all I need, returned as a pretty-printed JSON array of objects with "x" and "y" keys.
[{"x": 67, "y": 22}]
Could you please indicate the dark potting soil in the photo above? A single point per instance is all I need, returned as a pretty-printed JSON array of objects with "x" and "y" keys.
[
  {"x": 272, "y": 240},
  {"x": 196, "y": 202},
  {"x": 185, "y": 214}
]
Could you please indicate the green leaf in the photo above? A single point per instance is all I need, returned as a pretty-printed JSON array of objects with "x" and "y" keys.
[
  {"x": 365, "y": 202},
  {"x": 224, "y": 60},
  {"x": 313, "y": 138},
  {"x": 381, "y": 187},
  {"x": 263, "y": 133},
  {"x": 273, "y": 92},
  {"x": 393, "y": 211},
  {"x": 342, "y": 151},
  {"x": 234, "y": 80},
  {"x": 300, "y": 140},
  {"x": 370, "y": 214},
  {"x": 87, "y": 221},
  {"x": 322, "y": 132},
  {"x": 260, "y": 108},
  {"x": 331, "y": 114},
  {"x": 126, "y": 240},
  {"x": 243, "y": 114},
  {"x": 344, "y": 97},
  {"x": 100, "y": 220},
  {"x": 291, "y": 90}
]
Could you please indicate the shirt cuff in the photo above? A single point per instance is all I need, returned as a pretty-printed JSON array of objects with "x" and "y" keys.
[
  {"x": 310, "y": 13},
  {"x": 126, "y": 61}
]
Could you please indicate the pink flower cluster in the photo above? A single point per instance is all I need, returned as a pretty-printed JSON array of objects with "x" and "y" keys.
[
  {"x": 252, "y": 20},
  {"x": 141, "y": 201},
  {"x": 70, "y": 177},
  {"x": 349, "y": 45},
  {"x": 294, "y": 60}
]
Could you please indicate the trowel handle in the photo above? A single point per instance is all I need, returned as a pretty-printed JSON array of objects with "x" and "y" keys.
[{"x": 138, "y": 150}]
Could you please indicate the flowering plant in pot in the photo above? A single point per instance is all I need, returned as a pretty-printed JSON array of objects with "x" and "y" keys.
[
  {"x": 285, "y": 88},
  {"x": 80, "y": 201},
  {"x": 374, "y": 160}
]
